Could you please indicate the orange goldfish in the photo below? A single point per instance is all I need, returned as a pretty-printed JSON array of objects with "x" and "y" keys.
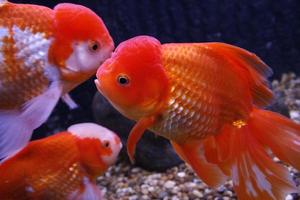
[
  {"x": 44, "y": 54},
  {"x": 62, "y": 166},
  {"x": 207, "y": 99}
]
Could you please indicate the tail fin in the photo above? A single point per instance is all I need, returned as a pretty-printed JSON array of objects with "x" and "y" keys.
[
  {"x": 248, "y": 159},
  {"x": 278, "y": 133},
  {"x": 244, "y": 154}
]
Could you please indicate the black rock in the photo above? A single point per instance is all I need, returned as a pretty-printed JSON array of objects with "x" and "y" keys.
[{"x": 152, "y": 153}]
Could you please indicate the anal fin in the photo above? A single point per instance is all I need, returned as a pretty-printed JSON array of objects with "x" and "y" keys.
[{"x": 192, "y": 152}]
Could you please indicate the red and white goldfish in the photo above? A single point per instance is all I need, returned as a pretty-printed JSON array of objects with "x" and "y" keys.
[
  {"x": 206, "y": 98},
  {"x": 62, "y": 166},
  {"x": 44, "y": 54}
]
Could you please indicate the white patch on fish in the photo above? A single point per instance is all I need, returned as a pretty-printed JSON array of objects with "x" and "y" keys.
[
  {"x": 261, "y": 181},
  {"x": 250, "y": 189},
  {"x": 33, "y": 50},
  {"x": 3, "y": 2},
  {"x": 29, "y": 189},
  {"x": 235, "y": 174},
  {"x": 91, "y": 130},
  {"x": 90, "y": 191},
  {"x": 3, "y": 33},
  {"x": 94, "y": 131},
  {"x": 82, "y": 60}
]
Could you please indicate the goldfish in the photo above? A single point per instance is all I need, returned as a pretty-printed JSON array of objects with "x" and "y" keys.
[
  {"x": 207, "y": 99},
  {"x": 44, "y": 54},
  {"x": 61, "y": 166}
]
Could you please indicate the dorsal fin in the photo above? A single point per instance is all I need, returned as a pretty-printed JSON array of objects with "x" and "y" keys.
[{"x": 259, "y": 71}]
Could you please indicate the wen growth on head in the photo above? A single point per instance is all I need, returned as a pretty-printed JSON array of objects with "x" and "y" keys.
[
  {"x": 207, "y": 99},
  {"x": 62, "y": 166},
  {"x": 44, "y": 54}
]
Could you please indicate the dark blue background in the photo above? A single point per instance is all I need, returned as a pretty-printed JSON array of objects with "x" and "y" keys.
[{"x": 269, "y": 28}]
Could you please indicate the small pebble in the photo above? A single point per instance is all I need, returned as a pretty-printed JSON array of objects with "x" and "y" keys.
[
  {"x": 197, "y": 193},
  {"x": 207, "y": 190},
  {"x": 169, "y": 184},
  {"x": 175, "y": 198},
  {"x": 228, "y": 193},
  {"x": 162, "y": 194},
  {"x": 181, "y": 174},
  {"x": 289, "y": 197},
  {"x": 294, "y": 114},
  {"x": 134, "y": 197},
  {"x": 221, "y": 189}
]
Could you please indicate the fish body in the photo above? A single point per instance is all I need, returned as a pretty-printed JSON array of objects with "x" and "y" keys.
[
  {"x": 26, "y": 33},
  {"x": 44, "y": 53},
  {"x": 206, "y": 98},
  {"x": 62, "y": 166},
  {"x": 199, "y": 102}
]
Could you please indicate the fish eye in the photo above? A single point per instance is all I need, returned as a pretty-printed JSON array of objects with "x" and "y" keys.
[
  {"x": 106, "y": 144},
  {"x": 123, "y": 80},
  {"x": 94, "y": 46}
]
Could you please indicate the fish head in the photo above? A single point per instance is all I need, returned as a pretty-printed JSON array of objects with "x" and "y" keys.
[
  {"x": 133, "y": 79},
  {"x": 82, "y": 42},
  {"x": 99, "y": 147}
]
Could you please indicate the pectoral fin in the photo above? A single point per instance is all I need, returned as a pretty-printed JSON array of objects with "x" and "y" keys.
[
  {"x": 69, "y": 101},
  {"x": 136, "y": 133}
]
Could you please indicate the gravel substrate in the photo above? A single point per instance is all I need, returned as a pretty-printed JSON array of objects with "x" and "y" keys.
[
  {"x": 179, "y": 183},
  {"x": 126, "y": 182}
]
